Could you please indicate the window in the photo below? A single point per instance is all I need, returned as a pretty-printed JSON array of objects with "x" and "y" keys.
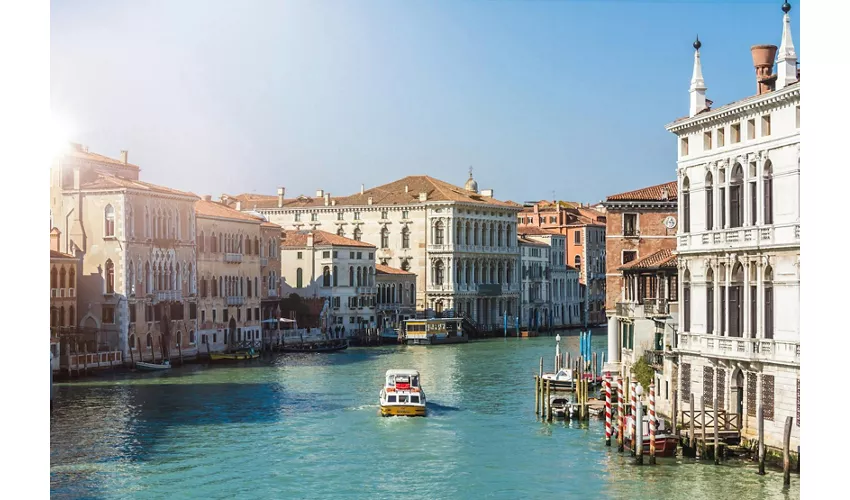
[
  {"x": 405, "y": 265},
  {"x": 577, "y": 237},
  {"x": 249, "y": 314},
  {"x": 109, "y": 221},
  {"x": 299, "y": 255},
  {"x": 340, "y": 232},
  {"x": 299, "y": 278},
  {"x": 709, "y": 202},
  {"x": 108, "y": 314},
  {"x": 768, "y": 193},
  {"x": 628, "y": 256},
  {"x": 326, "y": 254},
  {"x": 765, "y": 125},
  {"x": 686, "y": 205},
  {"x": 193, "y": 310},
  {"x": 578, "y": 262},
  {"x": 359, "y": 255},
  {"x": 438, "y": 233},
  {"x": 110, "y": 276},
  {"x": 340, "y": 216},
  {"x": 356, "y": 215},
  {"x": 336, "y": 281},
  {"x": 405, "y": 214},
  {"x": 326, "y": 276},
  {"x": 405, "y": 237},
  {"x": 358, "y": 234},
  {"x": 297, "y": 217},
  {"x": 630, "y": 224},
  {"x": 751, "y": 129},
  {"x": 736, "y": 205},
  {"x": 385, "y": 238},
  {"x": 768, "y": 303},
  {"x": 686, "y": 298},
  {"x": 384, "y": 214},
  {"x": 721, "y": 137},
  {"x": 736, "y": 133},
  {"x": 335, "y": 254},
  {"x": 371, "y": 255},
  {"x": 684, "y": 147},
  {"x": 709, "y": 301},
  {"x": 132, "y": 309},
  {"x": 314, "y": 217},
  {"x": 706, "y": 140}
]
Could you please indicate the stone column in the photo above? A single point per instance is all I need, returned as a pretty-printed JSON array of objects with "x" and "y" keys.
[
  {"x": 760, "y": 298},
  {"x": 745, "y": 331},
  {"x": 613, "y": 340}
]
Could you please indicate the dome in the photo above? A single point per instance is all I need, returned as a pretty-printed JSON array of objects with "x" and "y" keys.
[{"x": 471, "y": 185}]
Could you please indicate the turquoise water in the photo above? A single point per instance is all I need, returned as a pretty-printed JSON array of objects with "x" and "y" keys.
[{"x": 307, "y": 426}]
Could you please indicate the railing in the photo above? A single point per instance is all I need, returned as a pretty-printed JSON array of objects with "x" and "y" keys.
[
  {"x": 797, "y": 232},
  {"x": 366, "y": 290},
  {"x": 473, "y": 248},
  {"x": 778, "y": 351},
  {"x": 630, "y": 310},
  {"x": 741, "y": 237},
  {"x": 235, "y": 301},
  {"x": 725, "y": 420},
  {"x": 91, "y": 360},
  {"x": 656, "y": 307},
  {"x": 653, "y": 357},
  {"x": 168, "y": 296},
  {"x": 233, "y": 257},
  {"x": 272, "y": 292},
  {"x": 264, "y": 261}
]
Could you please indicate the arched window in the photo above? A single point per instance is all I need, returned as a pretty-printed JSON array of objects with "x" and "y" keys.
[
  {"x": 201, "y": 239},
  {"x": 247, "y": 250},
  {"x": 336, "y": 277},
  {"x": 147, "y": 223},
  {"x": 475, "y": 231},
  {"x": 509, "y": 236},
  {"x": 468, "y": 239},
  {"x": 350, "y": 276},
  {"x": 299, "y": 278},
  {"x": 686, "y": 296},
  {"x": 768, "y": 197},
  {"x": 508, "y": 273},
  {"x": 492, "y": 235},
  {"x": 438, "y": 272},
  {"x": 192, "y": 337},
  {"x": 459, "y": 236},
  {"x": 249, "y": 288},
  {"x": 256, "y": 246},
  {"x": 72, "y": 278},
  {"x": 578, "y": 262},
  {"x": 214, "y": 287},
  {"x": 148, "y": 278},
  {"x": 709, "y": 301},
  {"x": 61, "y": 316},
  {"x": 385, "y": 238},
  {"x": 360, "y": 276},
  {"x": 686, "y": 205},
  {"x": 326, "y": 276},
  {"x": 109, "y": 221},
  {"x": 405, "y": 237},
  {"x": 736, "y": 193},
  {"x": 213, "y": 244},
  {"x": 54, "y": 275},
  {"x": 72, "y": 316},
  {"x": 256, "y": 287},
  {"x": 110, "y": 276},
  {"x": 439, "y": 233},
  {"x": 340, "y": 231},
  {"x": 736, "y": 299},
  {"x": 131, "y": 279},
  {"x": 768, "y": 302},
  {"x": 709, "y": 202},
  {"x": 501, "y": 235},
  {"x": 62, "y": 278},
  {"x": 357, "y": 234}
]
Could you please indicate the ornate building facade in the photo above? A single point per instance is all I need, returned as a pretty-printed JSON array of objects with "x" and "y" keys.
[{"x": 739, "y": 245}]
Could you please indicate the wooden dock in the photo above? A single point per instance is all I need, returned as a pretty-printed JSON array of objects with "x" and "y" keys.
[{"x": 699, "y": 429}]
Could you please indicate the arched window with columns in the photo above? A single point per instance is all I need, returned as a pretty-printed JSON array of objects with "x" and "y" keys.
[
  {"x": 438, "y": 272},
  {"x": 686, "y": 299},
  {"x": 768, "y": 302},
  {"x": 736, "y": 194},
  {"x": 439, "y": 233},
  {"x": 768, "y": 195},
  {"x": 459, "y": 235},
  {"x": 385, "y": 238},
  {"x": 686, "y": 205},
  {"x": 110, "y": 276},
  {"x": 709, "y": 202},
  {"x": 709, "y": 301}
]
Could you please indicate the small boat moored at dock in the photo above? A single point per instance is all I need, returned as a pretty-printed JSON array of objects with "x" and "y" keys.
[
  {"x": 563, "y": 380},
  {"x": 330, "y": 346},
  {"x": 434, "y": 331},
  {"x": 153, "y": 367},
  {"x": 665, "y": 442},
  {"x": 238, "y": 355},
  {"x": 402, "y": 394}
]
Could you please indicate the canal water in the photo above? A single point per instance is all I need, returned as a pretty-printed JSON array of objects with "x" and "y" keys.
[{"x": 307, "y": 426}]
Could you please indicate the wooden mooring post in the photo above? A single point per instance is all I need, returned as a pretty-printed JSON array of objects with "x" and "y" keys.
[
  {"x": 716, "y": 434},
  {"x": 541, "y": 366},
  {"x": 652, "y": 420},
  {"x": 761, "y": 439},
  {"x": 701, "y": 443},
  {"x": 536, "y": 396},
  {"x": 675, "y": 412},
  {"x": 633, "y": 427},
  {"x": 692, "y": 433},
  {"x": 548, "y": 401},
  {"x": 786, "y": 452},
  {"x": 85, "y": 359},
  {"x": 132, "y": 358}
]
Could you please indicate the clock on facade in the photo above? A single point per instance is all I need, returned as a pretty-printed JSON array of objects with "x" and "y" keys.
[{"x": 670, "y": 222}]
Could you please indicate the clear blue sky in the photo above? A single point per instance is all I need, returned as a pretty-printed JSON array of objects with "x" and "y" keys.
[{"x": 537, "y": 95}]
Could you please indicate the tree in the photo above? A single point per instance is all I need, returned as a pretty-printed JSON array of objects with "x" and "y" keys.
[{"x": 643, "y": 373}]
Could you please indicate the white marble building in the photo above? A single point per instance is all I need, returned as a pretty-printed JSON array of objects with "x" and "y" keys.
[
  {"x": 536, "y": 294},
  {"x": 739, "y": 246},
  {"x": 460, "y": 243},
  {"x": 565, "y": 302}
]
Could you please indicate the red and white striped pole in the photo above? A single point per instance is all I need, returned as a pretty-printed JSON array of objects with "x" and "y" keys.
[
  {"x": 620, "y": 412},
  {"x": 632, "y": 428},
  {"x": 607, "y": 412},
  {"x": 651, "y": 424}
]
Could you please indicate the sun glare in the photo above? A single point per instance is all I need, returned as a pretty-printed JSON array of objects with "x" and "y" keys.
[{"x": 59, "y": 134}]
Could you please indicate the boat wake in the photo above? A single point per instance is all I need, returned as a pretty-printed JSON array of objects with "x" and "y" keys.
[{"x": 438, "y": 408}]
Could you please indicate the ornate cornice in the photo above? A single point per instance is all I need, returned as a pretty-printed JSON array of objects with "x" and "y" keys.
[{"x": 737, "y": 109}]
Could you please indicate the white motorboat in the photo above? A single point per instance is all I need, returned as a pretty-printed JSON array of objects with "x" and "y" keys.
[
  {"x": 563, "y": 380},
  {"x": 153, "y": 367}
]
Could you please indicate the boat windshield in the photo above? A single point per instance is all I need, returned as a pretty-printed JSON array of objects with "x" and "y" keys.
[{"x": 414, "y": 381}]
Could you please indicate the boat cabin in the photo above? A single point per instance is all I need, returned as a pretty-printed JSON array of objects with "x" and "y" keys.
[{"x": 403, "y": 387}]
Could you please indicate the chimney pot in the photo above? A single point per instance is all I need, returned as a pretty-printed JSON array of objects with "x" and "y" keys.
[
  {"x": 763, "y": 59},
  {"x": 280, "y": 192},
  {"x": 124, "y": 156},
  {"x": 238, "y": 205},
  {"x": 333, "y": 203},
  {"x": 207, "y": 197},
  {"x": 370, "y": 200},
  {"x": 406, "y": 188},
  {"x": 310, "y": 239},
  {"x": 327, "y": 199},
  {"x": 320, "y": 193},
  {"x": 54, "y": 240},
  {"x": 362, "y": 188},
  {"x": 423, "y": 196}
]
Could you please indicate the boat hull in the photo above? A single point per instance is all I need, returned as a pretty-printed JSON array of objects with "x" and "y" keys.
[
  {"x": 434, "y": 340},
  {"x": 236, "y": 356},
  {"x": 151, "y": 367},
  {"x": 665, "y": 446},
  {"x": 403, "y": 411}
]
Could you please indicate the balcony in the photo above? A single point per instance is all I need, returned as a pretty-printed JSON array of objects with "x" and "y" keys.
[
  {"x": 654, "y": 358},
  {"x": 630, "y": 310},
  {"x": 235, "y": 301},
  {"x": 744, "y": 349},
  {"x": 741, "y": 238},
  {"x": 474, "y": 249},
  {"x": 264, "y": 261},
  {"x": 365, "y": 290},
  {"x": 233, "y": 257},
  {"x": 167, "y": 296}
]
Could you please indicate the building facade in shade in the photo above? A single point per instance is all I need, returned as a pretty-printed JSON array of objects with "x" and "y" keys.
[
  {"x": 231, "y": 283},
  {"x": 396, "y": 296},
  {"x": 340, "y": 270},
  {"x": 270, "y": 276},
  {"x": 584, "y": 229},
  {"x": 536, "y": 273},
  {"x": 642, "y": 301},
  {"x": 136, "y": 285},
  {"x": 566, "y": 303},
  {"x": 739, "y": 245},
  {"x": 460, "y": 243},
  {"x": 64, "y": 269}
]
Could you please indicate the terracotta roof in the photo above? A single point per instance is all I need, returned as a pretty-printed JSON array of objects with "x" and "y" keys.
[
  {"x": 392, "y": 193},
  {"x": 294, "y": 238},
  {"x": 78, "y": 152},
  {"x": 660, "y": 259},
  {"x": 109, "y": 181},
  {"x": 526, "y": 241},
  {"x": 59, "y": 255},
  {"x": 532, "y": 230},
  {"x": 270, "y": 225},
  {"x": 652, "y": 193},
  {"x": 382, "y": 269},
  {"x": 204, "y": 208}
]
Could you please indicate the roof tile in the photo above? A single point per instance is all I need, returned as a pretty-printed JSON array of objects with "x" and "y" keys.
[{"x": 651, "y": 193}]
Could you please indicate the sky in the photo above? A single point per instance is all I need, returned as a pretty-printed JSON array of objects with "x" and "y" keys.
[{"x": 544, "y": 99}]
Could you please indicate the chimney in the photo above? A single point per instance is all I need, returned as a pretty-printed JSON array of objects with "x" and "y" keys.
[
  {"x": 763, "y": 57},
  {"x": 362, "y": 188},
  {"x": 406, "y": 188},
  {"x": 54, "y": 240},
  {"x": 333, "y": 203},
  {"x": 238, "y": 205},
  {"x": 310, "y": 240},
  {"x": 487, "y": 193},
  {"x": 327, "y": 199},
  {"x": 369, "y": 201},
  {"x": 320, "y": 193},
  {"x": 280, "y": 192},
  {"x": 207, "y": 197},
  {"x": 423, "y": 196},
  {"x": 124, "y": 156},
  {"x": 664, "y": 193},
  {"x": 224, "y": 199}
]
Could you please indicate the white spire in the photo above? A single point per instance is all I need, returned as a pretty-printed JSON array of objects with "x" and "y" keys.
[
  {"x": 698, "y": 87},
  {"x": 786, "y": 58}
]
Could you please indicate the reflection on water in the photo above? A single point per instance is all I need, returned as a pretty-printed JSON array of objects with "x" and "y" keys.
[{"x": 307, "y": 426}]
